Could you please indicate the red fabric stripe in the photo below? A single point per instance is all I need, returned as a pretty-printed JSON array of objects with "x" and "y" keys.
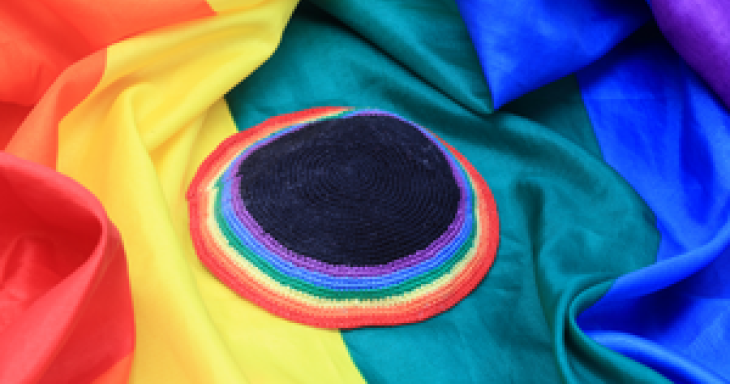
[{"x": 65, "y": 298}]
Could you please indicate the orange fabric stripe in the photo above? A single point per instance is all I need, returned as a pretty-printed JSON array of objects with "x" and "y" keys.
[
  {"x": 41, "y": 38},
  {"x": 102, "y": 22},
  {"x": 37, "y": 137},
  {"x": 51, "y": 60},
  {"x": 118, "y": 373}
]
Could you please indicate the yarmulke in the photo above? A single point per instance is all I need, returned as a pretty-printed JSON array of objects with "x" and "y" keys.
[{"x": 343, "y": 218}]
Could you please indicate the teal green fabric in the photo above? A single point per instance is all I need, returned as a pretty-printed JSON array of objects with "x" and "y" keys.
[{"x": 569, "y": 223}]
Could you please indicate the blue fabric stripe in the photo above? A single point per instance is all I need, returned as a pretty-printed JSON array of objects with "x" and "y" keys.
[
  {"x": 523, "y": 45},
  {"x": 664, "y": 131}
]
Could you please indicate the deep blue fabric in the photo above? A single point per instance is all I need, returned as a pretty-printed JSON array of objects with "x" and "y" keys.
[
  {"x": 523, "y": 45},
  {"x": 664, "y": 131}
]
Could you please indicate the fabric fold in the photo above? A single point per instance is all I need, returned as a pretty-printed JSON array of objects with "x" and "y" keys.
[
  {"x": 664, "y": 130},
  {"x": 572, "y": 223},
  {"x": 63, "y": 281},
  {"x": 136, "y": 142},
  {"x": 524, "y": 45}
]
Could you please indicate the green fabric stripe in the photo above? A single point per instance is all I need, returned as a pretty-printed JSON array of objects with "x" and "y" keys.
[{"x": 569, "y": 223}]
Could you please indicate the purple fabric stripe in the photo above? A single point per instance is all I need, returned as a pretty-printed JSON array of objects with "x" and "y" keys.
[{"x": 700, "y": 32}]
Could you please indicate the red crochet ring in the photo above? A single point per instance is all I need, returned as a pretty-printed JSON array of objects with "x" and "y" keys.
[{"x": 345, "y": 285}]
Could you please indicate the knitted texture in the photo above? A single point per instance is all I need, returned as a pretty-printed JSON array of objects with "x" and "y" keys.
[{"x": 343, "y": 218}]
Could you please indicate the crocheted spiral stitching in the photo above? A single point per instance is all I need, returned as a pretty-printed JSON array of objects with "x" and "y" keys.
[{"x": 343, "y": 218}]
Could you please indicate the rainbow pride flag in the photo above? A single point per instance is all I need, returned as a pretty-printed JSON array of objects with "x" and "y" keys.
[{"x": 600, "y": 127}]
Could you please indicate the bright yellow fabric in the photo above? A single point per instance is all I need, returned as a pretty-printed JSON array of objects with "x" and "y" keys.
[
  {"x": 221, "y": 6},
  {"x": 136, "y": 142}
]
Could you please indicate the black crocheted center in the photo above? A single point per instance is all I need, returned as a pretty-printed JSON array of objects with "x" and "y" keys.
[{"x": 359, "y": 190}]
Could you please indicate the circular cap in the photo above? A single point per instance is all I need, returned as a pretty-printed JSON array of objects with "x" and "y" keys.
[{"x": 343, "y": 218}]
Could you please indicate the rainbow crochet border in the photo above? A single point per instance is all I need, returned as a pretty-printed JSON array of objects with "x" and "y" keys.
[{"x": 343, "y": 218}]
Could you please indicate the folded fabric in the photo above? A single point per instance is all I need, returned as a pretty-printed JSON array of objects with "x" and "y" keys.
[
  {"x": 64, "y": 282},
  {"x": 569, "y": 223},
  {"x": 611, "y": 191}
]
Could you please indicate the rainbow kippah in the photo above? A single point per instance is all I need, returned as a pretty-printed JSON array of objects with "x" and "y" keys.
[{"x": 343, "y": 218}]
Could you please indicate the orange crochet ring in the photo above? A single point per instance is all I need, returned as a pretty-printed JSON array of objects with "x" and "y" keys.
[{"x": 234, "y": 236}]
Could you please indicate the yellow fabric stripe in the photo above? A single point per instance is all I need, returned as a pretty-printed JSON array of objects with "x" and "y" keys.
[
  {"x": 136, "y": 142},
  {"x": 220, "y": 6}
]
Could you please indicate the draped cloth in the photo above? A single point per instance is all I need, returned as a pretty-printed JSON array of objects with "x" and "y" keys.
[
  {"x": 64, "y": 279},
  {"x": 664, "y": 130},
  {"x": 599, "y": 126}
]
